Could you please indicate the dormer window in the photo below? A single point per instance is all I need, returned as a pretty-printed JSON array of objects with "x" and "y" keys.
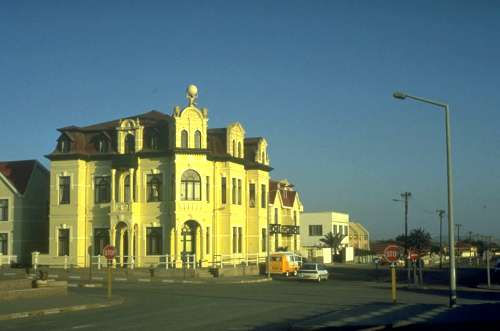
[
  {"x": 263, "y": 157},
  {"x": 63, "y": 145},
  {"x": 234, "y": 148},
  {"x": 239, "y": 149},
  {"x": 129, "y": 144},
  {"x": 154, "y": 140},
  {"x": 102, "y": 145}
]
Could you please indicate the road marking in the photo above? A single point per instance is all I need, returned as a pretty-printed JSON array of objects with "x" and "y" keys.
[
  {"x": 121, "y": 279},
  {"x": 72, "y": 285},
  {"x": 167, "y": 281},
  {"x": 74, "y": 277},
  {"x": 144, "y": 280},
  {"x": 53, "y": 276},
  {"x": 51, "y": 311},
  {"x": 98, "y": 278}
]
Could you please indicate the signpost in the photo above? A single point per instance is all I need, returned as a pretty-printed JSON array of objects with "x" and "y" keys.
[
  {"x": 109, "y": 252},
  {"x": 391, "y": 253}
]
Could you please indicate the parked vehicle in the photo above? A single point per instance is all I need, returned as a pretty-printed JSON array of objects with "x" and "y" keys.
[
  {"x": 285, "y": 263},
  {"x": 313, "y": 271}
]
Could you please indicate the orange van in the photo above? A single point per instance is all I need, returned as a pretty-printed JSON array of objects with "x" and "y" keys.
[{"x": 285, "y": 263}]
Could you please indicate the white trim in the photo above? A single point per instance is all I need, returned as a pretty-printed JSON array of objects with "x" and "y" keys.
[{"x": 9, "y": 184}]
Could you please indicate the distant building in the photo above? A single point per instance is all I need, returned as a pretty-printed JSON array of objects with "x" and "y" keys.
[
  {"x": 359, "y": 237},
  {"x": 313, "y": 226},
  {"x": 24, "y": 203},
  {"x": 285, "y": 208}
]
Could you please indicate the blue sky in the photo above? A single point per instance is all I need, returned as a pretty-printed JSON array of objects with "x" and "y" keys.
[{"x": 314, "y": 77}]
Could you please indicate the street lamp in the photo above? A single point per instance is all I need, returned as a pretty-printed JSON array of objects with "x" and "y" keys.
[{"x": 453, "y": 283}]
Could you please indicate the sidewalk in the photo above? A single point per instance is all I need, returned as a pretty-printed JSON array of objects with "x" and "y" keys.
[
  {"x": 164, "y": 280},
  {"x": 46, "y": 306}
]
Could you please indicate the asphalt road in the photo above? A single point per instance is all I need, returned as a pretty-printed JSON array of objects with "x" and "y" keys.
[{"x": 280, "y": 304}]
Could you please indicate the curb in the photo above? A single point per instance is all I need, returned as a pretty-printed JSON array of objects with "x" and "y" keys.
[
  {"x": 172, "y": 281},
  {"x": 51, "y": 311},
  {"x": 90, "y": 285}
]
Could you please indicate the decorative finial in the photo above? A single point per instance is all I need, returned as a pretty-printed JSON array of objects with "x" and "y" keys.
[{"x": 192, "y": 94}]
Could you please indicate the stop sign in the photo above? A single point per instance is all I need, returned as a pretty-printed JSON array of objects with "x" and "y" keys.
[
  {"x": 108, "y": 251},
  {"x": 391, "y": 253}
]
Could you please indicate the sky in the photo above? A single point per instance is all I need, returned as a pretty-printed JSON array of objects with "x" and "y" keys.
[{"x": 315, "y": 78}]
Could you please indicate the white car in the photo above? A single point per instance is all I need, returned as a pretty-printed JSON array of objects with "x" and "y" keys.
[{"x": 313, "y": 271}]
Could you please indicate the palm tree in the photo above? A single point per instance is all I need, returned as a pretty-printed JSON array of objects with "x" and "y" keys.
[{"x": 333, "y": 241}]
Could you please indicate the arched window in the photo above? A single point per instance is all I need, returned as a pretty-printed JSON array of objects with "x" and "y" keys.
[
  {"x": 197, "y": 139},
  {"x": 234, "y": 148},
  {"x": 184, "y": 139},
  {"x": 190, "y": 185},
  {"x": 129, "y": 143},
  {"x": 154, "y": 187},
  {"x": 63, "y": 144},
  {"x": 263, "y": 157},
  {"x": 239, "y": 149},
  {"x": 126, "y": 189}
]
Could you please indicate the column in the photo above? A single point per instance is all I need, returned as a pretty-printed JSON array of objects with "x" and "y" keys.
[
  {"x": 112, "y": 239},
  {"x": 121, "y": 247},
  {"x": 131, "y": 184},
  {"x": 113, "y": 186},
  {"x": 131, "y": 255}
]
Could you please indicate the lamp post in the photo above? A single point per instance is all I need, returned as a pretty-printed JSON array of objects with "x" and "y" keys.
[{"x": 453, "y": 285}]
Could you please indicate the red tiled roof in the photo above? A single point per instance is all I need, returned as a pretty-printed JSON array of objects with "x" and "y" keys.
[
  {"x": 287, "y": 195},
  {"x": 18, "y": 173}
]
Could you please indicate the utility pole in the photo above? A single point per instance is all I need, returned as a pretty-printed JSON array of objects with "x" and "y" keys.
[
  {"x": 406, "y": 196},
  {"x": 470, "y": 236},
  {"x": 458, "y": 231},
  {"x": 441, "y": 214}
]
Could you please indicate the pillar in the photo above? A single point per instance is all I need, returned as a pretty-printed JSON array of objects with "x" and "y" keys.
[
  {"x": 130, "y": 253},
  {"x": 113, "y": 186},
  {"x": 121, "y": 247},
  {"x": 131, "y": 176}
]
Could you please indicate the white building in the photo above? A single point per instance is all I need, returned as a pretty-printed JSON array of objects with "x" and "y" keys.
[{"x": 313, "y": 227}]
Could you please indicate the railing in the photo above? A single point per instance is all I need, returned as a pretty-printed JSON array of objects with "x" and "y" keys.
[
  {"x": 7, "y": 259},
  {"x": 229, "y": 260},
  {"x": 167, "y": 261}
]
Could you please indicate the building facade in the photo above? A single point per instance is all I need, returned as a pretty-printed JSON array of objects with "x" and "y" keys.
[
  {"x": 24, "y": 201},
  {"x": 158, "y": 187},
  {"x": 314, "y": 225},
  {"x": 285, "y": 208},
  {"x": 359, "y": 237}
]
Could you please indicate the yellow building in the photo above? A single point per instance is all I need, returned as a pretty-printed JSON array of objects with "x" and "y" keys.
[
  {"x": 24, "y": 199},
  {"x": 159, "y": 187},
  {"x": 284, "y": 208},
  {"x": 359, "y": 237}
]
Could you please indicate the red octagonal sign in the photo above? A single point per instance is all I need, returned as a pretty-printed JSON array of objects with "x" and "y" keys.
[
  {"x": 391, "y": 253},
  {"x": 108, "y": 251}
]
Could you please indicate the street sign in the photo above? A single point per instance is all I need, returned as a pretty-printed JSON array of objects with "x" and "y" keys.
[
  {"x": 413, "y": 256},
  {"x": 109, "y": 252},
  {"x": 391, "y": 253}
]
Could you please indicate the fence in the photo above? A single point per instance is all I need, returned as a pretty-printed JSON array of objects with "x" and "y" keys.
[
  {"x": 66, "y": 262},
  {"x": 229, "y": 260}
]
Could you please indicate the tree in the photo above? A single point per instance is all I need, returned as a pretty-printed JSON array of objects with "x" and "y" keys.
[
  {"x": 333, "y": 241},
  {"x": 418, "y": 239}
]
